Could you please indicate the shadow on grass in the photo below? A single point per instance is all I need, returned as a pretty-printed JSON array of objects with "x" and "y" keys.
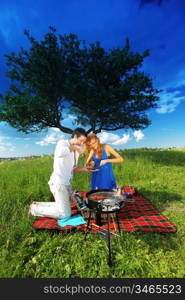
[
  {"x": 159, "y": 240},
  {"x": 159, "y": 198},
  {"x": 154, "y": 240}
]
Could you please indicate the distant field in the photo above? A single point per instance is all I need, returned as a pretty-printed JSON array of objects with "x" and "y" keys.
[{"x": 24, "y": 252}]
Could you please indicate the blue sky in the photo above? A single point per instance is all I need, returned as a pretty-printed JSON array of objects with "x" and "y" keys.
[{"x": 158, "y": 25}]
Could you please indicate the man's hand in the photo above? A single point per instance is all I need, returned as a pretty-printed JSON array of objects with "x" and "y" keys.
[
  {"x": 78, "y": 170},
  {"x": 75, "y": 148}
]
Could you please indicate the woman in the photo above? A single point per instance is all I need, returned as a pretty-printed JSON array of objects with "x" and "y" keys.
[{"x": 99, "y": 157}]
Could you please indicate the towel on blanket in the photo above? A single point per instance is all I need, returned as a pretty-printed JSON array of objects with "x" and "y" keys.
[{"x": 73, "y": 221}]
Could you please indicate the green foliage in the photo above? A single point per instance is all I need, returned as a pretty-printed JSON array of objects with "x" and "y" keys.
[
  {"x": 25, "y": 252},
  {"x": 104, "y": 89}
]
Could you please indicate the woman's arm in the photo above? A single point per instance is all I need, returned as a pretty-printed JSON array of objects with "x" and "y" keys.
[
  {"x": 89, "y": 158},
  {"x": 110, "y": 151}
]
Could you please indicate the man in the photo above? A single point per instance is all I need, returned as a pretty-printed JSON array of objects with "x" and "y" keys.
[{"x": 65, "y": 161}]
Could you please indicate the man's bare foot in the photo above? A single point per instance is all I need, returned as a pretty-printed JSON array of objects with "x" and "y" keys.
[{"x": 29, "y": 212}]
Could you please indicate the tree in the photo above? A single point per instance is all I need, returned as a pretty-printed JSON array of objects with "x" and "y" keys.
[{"x": 104, "y": 89}]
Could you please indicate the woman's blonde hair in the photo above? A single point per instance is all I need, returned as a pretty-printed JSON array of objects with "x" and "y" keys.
[{"x": 90, "y": 137}]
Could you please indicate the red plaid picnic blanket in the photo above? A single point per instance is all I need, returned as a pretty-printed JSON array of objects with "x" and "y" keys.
[{"x": 138, "y": 215}]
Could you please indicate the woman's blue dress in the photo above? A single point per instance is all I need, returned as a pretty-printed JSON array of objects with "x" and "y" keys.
[{"x": 104, "y": 178}]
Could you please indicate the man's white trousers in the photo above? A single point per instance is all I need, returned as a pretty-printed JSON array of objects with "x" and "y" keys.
[{"x": 60, "y": 208}]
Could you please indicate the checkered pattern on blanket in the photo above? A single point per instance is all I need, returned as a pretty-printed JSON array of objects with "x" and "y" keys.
[{"x": 140, "y": 215}]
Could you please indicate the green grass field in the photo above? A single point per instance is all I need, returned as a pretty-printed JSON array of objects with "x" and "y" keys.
[{"x": 26, "y": 253}]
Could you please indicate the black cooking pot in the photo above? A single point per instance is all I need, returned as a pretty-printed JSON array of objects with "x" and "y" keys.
[{"x": 93, "y": 202}]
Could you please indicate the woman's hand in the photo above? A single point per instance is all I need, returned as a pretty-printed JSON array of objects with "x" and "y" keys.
[
  {"x": 103, "y": 162},
  {"x": 90, "y": 164}
]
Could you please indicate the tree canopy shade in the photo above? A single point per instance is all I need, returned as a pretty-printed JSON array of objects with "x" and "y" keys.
[{"x": 103, "y": 89}]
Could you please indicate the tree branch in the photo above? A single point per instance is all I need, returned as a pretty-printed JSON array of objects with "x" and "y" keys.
[{"x": 65, "y": 129}]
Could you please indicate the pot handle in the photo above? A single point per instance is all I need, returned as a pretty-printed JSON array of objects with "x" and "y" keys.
[{"x": 99, "y": 207}]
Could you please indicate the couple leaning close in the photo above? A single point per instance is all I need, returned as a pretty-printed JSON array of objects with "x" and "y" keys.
[{"x": 100, "y": 156}]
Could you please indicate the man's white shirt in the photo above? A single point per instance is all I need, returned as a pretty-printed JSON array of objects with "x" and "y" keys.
[{"x": 64, "y": 162}]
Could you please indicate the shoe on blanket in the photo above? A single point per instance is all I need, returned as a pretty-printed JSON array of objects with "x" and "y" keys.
[
  {"x": 82, "y": 206},
  {"x": 79, "y": 202}
]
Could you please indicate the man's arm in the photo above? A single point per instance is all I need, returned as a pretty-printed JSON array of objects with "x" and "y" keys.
[
  {"x": 78, "y": 170},
  {"x": 62, "y": 149}
]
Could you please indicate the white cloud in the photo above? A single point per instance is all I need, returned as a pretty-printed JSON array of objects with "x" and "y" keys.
[
  {"x": 22, "y": 139},
  {"x": 9, "y": 23},
  {"x": 5, "y": 148},
  {"x": 2, "y": 148},
  {"x": 2, "y": 137},
  {"x": 138, "y": 135},
  {"x": 114, "y": 139},
  {"x": 169, "y": 102},
  {"x": 52, "y": 137},
  {"x": 68, "y": 120},
  {"x": 124, "y": 140},
  {"x": 108, "y": 138},
  {"x": 70, "y": 117}
]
